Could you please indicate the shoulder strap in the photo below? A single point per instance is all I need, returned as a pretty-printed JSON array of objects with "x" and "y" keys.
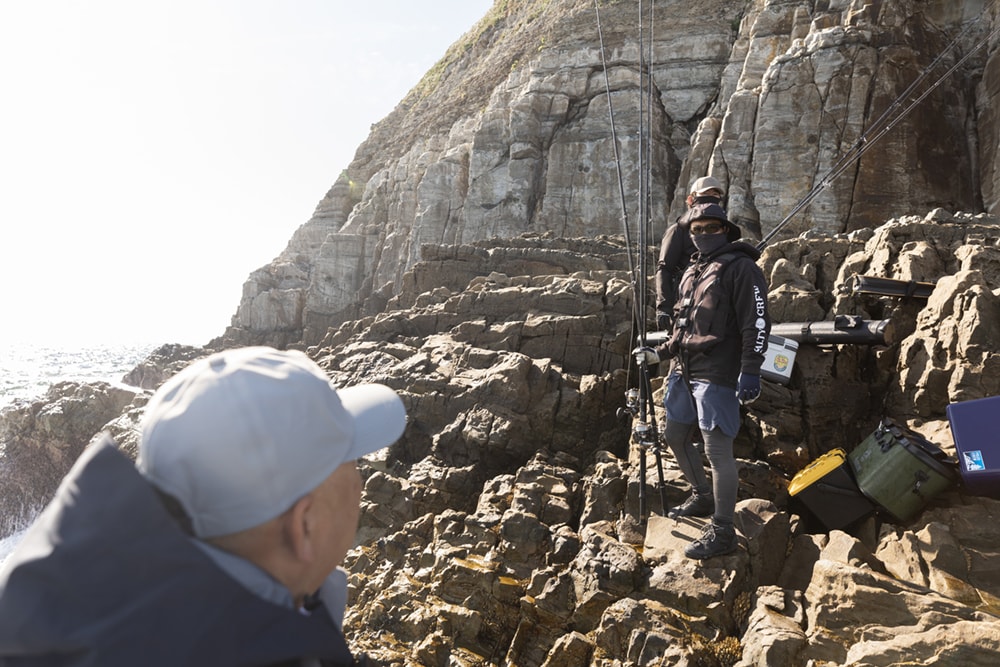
[{"x": 724, "y": 260}]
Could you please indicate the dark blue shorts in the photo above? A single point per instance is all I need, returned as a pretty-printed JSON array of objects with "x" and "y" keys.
[{"x": 713, "y": 405}]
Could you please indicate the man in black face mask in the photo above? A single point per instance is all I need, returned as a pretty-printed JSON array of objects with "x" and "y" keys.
[
  {"x": 677, "y": 248},
  {"x": 719, "y": 337}
]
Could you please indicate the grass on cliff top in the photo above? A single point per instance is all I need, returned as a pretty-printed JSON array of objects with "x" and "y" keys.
[{"x": 494, "y": 20}]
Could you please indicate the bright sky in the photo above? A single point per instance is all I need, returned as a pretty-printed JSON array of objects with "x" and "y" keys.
[{"x": 153, "y": 153}]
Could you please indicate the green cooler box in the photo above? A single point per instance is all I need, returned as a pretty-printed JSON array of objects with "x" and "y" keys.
[{"x": 901, "y": 471}]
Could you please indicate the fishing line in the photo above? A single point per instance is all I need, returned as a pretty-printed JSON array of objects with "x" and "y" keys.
[
  {"x": 864, "y": 144},
  {"x": 637, "y": 312},
  {"x": 614, "y": 136},
  {"x": 643, "y": 184},
  {"x": 645, "y": 153}
]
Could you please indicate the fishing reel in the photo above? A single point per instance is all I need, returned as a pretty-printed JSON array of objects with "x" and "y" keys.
[
  {"x": 643, "y": 432},
  {"x": 631, "y": 402},
  {"x": 645, "y": 435},
  {"x": 631, "y": 408}
]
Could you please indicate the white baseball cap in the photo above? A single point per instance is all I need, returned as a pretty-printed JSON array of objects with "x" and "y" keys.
[
  {"x": 706, "y": 184},
  {"x": 239, "y": 436}
]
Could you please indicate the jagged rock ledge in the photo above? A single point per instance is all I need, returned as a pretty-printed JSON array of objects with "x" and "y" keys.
[{"x": 503, "y": 528}]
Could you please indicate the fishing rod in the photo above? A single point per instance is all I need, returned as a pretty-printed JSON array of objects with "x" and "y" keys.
[
  {"x": 645, "y": 156},
  {"x": 639, "y": 403},
  {"x": 614, "y": 141},
  {"x": 645, "y": 428},
  {"x": 638, "y": 318},
  {"x": 637, "y": 315},
  {"x": 864, "y": 143}
]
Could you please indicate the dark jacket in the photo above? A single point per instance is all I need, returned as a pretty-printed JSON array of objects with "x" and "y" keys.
[
  {"x": 105, "y": 577},
  {"x": 676, "y": 250},
  {"x": 721, "y": 322}
]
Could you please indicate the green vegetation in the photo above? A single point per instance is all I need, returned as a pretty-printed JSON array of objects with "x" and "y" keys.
[
  {"x": 354, "y": 189},
  {"x": 432, "y": 78},
  {"x": 499, "y": 13}
]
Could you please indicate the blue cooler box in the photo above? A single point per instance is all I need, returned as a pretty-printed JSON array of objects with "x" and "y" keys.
[{"x": 975, "y": 426}]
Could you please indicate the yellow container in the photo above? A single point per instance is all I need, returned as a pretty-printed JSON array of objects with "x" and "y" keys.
[{"x": 828, "y": 490}]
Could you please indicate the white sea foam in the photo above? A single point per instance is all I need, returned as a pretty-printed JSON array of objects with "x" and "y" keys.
[
  {"x": 27, "y": 371},
  {"x": 8, "y": 543}
]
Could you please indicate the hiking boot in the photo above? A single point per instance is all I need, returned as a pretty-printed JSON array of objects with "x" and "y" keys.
[
  {"x": 715, "y": 540},
  {"x": 696, "y": 505}
]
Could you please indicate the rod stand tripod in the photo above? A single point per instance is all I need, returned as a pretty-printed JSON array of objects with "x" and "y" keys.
[{"x": 639, "y": 406}]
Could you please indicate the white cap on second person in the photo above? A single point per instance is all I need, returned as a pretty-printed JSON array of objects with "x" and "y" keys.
[
  {"x": 706, "y": 184},
  {"x": 239, "y": 436}
]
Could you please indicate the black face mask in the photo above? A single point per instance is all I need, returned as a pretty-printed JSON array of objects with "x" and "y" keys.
[{"x": 708, "y": 243}]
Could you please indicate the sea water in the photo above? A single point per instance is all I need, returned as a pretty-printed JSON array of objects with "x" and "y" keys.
[{"x": 28, "y": 370}]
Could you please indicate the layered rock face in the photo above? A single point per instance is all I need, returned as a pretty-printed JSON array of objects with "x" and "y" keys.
[
  {"x": 472, "y": 258},
  {"x": 531, "y": 123}
]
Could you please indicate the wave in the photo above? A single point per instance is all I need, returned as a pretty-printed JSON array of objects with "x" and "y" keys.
[{"x": 28, "y": 370}]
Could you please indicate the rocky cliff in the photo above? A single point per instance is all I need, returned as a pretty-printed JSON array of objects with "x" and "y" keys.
[
  {"x": 515, "y": 131},
  {"x": 472, "y": 257}
]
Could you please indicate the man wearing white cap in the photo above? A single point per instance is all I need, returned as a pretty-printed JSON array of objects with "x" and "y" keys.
[
  {"x": 221, "y": 545},
  {"x": 676, "y": 248}
]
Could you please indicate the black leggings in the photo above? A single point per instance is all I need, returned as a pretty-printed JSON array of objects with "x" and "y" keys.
[{"x": 719, "y": 449}]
